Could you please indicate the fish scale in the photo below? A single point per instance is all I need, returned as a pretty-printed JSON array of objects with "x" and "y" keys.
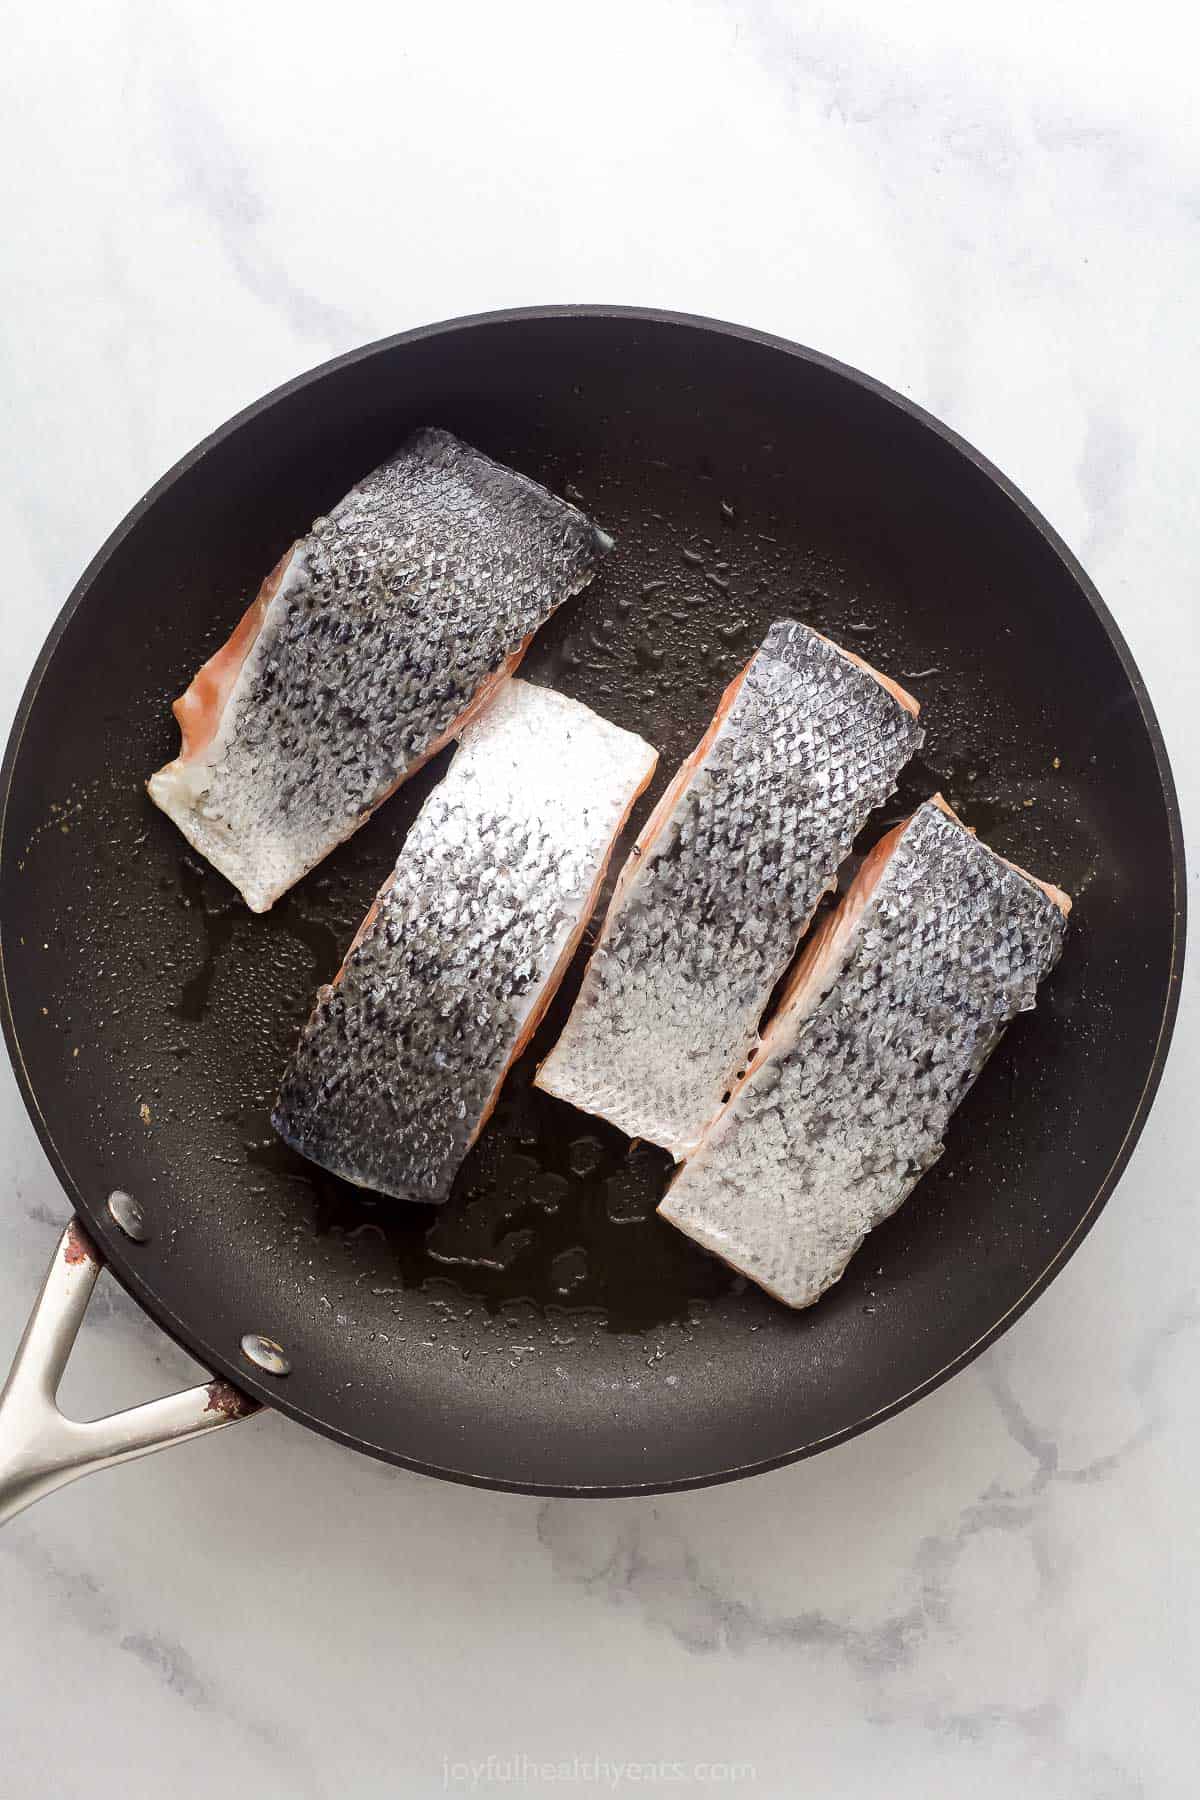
[
  {"x": 709, "y": 909},
  {"x": 889, "y": 1024},
  {"x": 401, "y": 1062},
  {"x": 386, "y": 626}
]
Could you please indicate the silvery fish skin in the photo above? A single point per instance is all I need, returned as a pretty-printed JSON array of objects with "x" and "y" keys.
[
  {"x": 370, "y": 645},
  {"x": 403, "y": 1058},
  {"x": 724, "y": 879},
  {"x": 894, "y": 1009}
]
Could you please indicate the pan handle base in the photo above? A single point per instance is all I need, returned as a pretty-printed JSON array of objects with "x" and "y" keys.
[{"x": 41, "y": 1449}]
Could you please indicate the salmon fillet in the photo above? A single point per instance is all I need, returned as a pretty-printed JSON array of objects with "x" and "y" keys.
[
  {"x": 404, "y": 1056},
  {"x": 894, "y": 1008},
  {"x": 722, "y": 883},
  {"x": 373, "y": 641}
]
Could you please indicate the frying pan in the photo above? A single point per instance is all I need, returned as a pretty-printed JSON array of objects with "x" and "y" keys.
[{"x": 545, "y": 1331}]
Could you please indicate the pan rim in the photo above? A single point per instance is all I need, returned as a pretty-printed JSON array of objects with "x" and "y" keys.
[{"x": 192, "y": 1341}]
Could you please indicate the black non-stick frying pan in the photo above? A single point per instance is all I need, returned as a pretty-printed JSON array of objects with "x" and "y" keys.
[{"x": 545, "y": 1331}]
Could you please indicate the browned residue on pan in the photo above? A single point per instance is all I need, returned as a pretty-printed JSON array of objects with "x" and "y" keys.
[
  {"x": 78, "y": 1246},
  {"x": 224, "y": 1398}
]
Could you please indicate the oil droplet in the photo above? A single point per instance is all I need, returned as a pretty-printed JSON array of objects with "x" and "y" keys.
[
  {"x": 569, "y": 1268},
  {"x": 585, "y": 1156}
]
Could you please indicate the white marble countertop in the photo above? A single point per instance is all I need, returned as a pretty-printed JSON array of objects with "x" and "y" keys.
[{"x": 995, "y": 1593}]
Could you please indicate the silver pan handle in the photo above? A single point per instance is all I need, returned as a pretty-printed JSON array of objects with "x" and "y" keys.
[{"x": 40, "y": 1449}]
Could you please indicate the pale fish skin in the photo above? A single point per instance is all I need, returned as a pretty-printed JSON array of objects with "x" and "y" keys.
[
  {"x": 707, "y": 914},
  {"x": 892, "y": 1017},
  {"x": 403, "y": 1058},
  {"x": 374, "y": 641}
]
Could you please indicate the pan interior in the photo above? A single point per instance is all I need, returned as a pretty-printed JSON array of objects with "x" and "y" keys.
[{"x": 545, "y": 1329}]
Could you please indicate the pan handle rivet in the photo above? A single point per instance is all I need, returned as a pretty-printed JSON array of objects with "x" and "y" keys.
[
  {"x": 265, "y": 1353},
  {"x": 125, "y": 1212}
]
